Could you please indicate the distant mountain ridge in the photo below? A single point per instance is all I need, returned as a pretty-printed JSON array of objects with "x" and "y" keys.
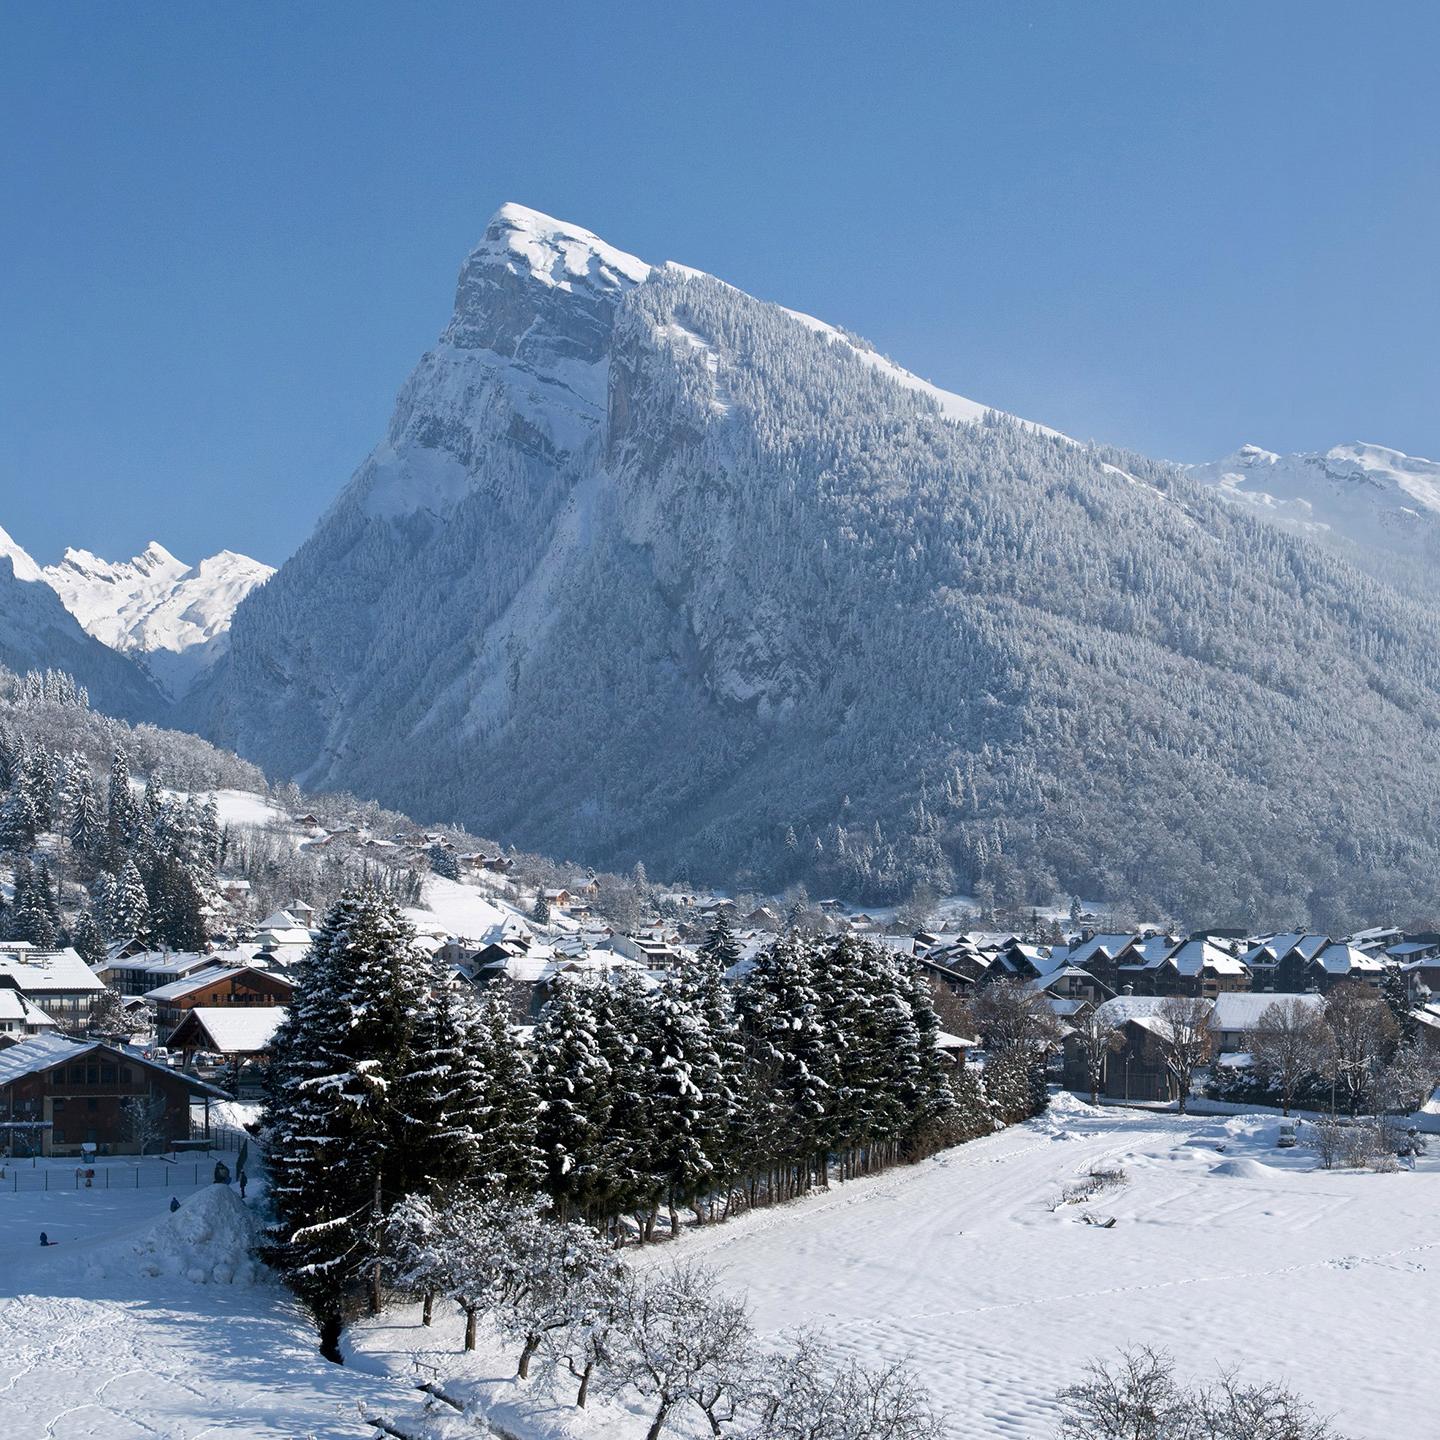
[
  {"x": 1377, "y": 506},
  {"x": 175, "y": 617},
  {"x": 37, "y": 632}
]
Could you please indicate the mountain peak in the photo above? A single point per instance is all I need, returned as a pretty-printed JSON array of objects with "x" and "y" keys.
[
  {"x": 552, "y": 252},
  {"x": 24, "y": 567}
]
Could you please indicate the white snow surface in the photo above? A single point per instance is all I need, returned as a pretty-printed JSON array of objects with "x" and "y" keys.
[
  {"x": 24, "y": 567},
  {"x": 1366, "y": 498},
  {"x": 141, "y": 1323},
  {"x": 1225, "y": 1251},
  {"x": 176, "y": 616}
]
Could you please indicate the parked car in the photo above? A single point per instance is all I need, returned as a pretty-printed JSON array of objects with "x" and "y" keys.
[{"x": 1289, "y": 1135}]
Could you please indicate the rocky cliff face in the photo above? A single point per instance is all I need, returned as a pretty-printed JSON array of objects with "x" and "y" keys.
[{"x": 645, "y": 568}]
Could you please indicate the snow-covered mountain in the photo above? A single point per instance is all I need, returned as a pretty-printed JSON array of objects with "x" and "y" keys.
[
  {"x": 174, "y": 616},
  {"x": 648, "y": 569},
  {"x": 1378, "y": 506},
  {"x": 37, "y": 632}
]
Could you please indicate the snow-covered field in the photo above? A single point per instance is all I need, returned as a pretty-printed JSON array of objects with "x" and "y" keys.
[
  {"x": 143, "y": 1323},
  {"x": 1242, "y": 1255}
]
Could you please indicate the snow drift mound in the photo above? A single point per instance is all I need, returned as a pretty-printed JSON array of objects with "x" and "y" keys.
[
  {"x": 206, "y": 1241},
  {"x": 1245, "y": 1170}
]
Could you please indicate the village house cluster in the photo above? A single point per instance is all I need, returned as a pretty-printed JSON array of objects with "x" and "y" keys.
[{"x": 77, "y": 1040}]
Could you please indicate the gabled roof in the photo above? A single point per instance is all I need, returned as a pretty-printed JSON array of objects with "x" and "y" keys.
[
  {"x": 38, "y": 1053},
  {"x": 1196, "y": 956},
  {"x": 1108, "y": 946},
  {"x": 1241, "y": 1010},
  {"x": 203, "y": 979},
  {"x": 234, "y": 1029},
  {"x": 15, "y": 1006},
  {"x": 1346, "y": 959}
]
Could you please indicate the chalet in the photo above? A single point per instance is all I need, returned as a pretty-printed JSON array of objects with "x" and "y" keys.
[
  {"x": 20, "y": 1017},
  {"x": 58, "y": 1094},
  {"x": 1137, "y": 1069},
  {"x": 1100, "y": 955},
  {"x": 219, "y": 986},
  {"x": 1291, "y": 973},
  {"x": 1336, "y": 963},
  {"x": 1235, "y": 1017},
  {"x": 1070, "y": 982},
  {"x": 59, "y": 982},
  {"x": 1162, "y": 966},
  {"x": 146, "y": 970},
  {"x": 241, "y": 1033}
]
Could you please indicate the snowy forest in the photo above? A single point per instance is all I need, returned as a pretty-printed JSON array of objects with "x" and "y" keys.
[{"x": 113, "y": 833}]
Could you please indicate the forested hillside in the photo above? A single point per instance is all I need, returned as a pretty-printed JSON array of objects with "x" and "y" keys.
[{"x": 648, "y": 569}]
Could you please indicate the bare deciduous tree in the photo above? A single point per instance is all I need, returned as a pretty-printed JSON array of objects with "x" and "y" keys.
[
  {"x": 680, "y": 1341},
  {"x": 808, "y": 1393},
  {"x": 1365, "y": 1034},
  {"x": 1012, "y": 1017},
  {"x": 1184, "y": 1040},
  {"x": 144, "y": 1117},
  {"x": 1096, "y": 1041},
  {"x": 1290, "y": 1043}
]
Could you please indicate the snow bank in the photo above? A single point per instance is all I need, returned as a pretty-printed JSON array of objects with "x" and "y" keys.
[
  {"x": 1245, "y": 1169},
  {"x": 207, "y": 1241}
]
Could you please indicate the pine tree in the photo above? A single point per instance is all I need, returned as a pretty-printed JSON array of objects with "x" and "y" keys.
[
  {"x": 175, "y": 905},
  {"x": 122, "y": 820},
  {"x": 335, "y": 1131},
  {"x": 720, "y": 947},
  {"x": 1396, "y": 995},
  {"x": 443, "y": 862},
  {"x": 573, "y": 1087},
  {"x": 85, "y": 936},
  {"x": 85, "y": 829},
  {"x": 509, "y": 1115},
  {"x": 19, "y": 823},
  {"x": 440, "y": 1098},
  {"x": 540, "y": 910},
  {"x": 124, "y": 909}
]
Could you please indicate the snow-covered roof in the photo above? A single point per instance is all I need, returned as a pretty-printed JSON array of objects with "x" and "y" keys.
[
  {"x": 15, "y": 1007},
  {"x": 1242, "y": 1010},
  {"x": 180, "y": 962},
  {"x": 1155, "y": 950},
  {"x": 198, "y": 981},
  {"x": 1343, "y": 959},
  {"x": 1197, "y": 955},
  {"x": 237, "y": 1029},
  {"x": 1140, "y": 1008},
  {"x": 1107, "y": 945},
  {"x": 279, "y": 920},
  {"x": 39, "y": 972},
  {"x": 37, "y": 1053}
]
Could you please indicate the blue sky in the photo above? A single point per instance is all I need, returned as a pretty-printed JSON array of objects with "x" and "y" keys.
[{"x": 228, "y": 231}]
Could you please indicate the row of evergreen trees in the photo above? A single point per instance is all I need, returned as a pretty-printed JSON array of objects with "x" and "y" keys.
[{"x": 628, "y": 1102}]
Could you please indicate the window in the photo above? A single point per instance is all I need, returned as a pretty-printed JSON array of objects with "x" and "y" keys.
[{"x": 107, "y": 1074}]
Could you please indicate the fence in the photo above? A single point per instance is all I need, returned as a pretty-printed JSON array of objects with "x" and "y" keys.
[{"x": 156, "y": 1172}]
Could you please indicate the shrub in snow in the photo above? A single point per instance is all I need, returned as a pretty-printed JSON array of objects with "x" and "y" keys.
[
  {"x": 807, "y": 1392},
  {"x": 1138, "y": 1397}
]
